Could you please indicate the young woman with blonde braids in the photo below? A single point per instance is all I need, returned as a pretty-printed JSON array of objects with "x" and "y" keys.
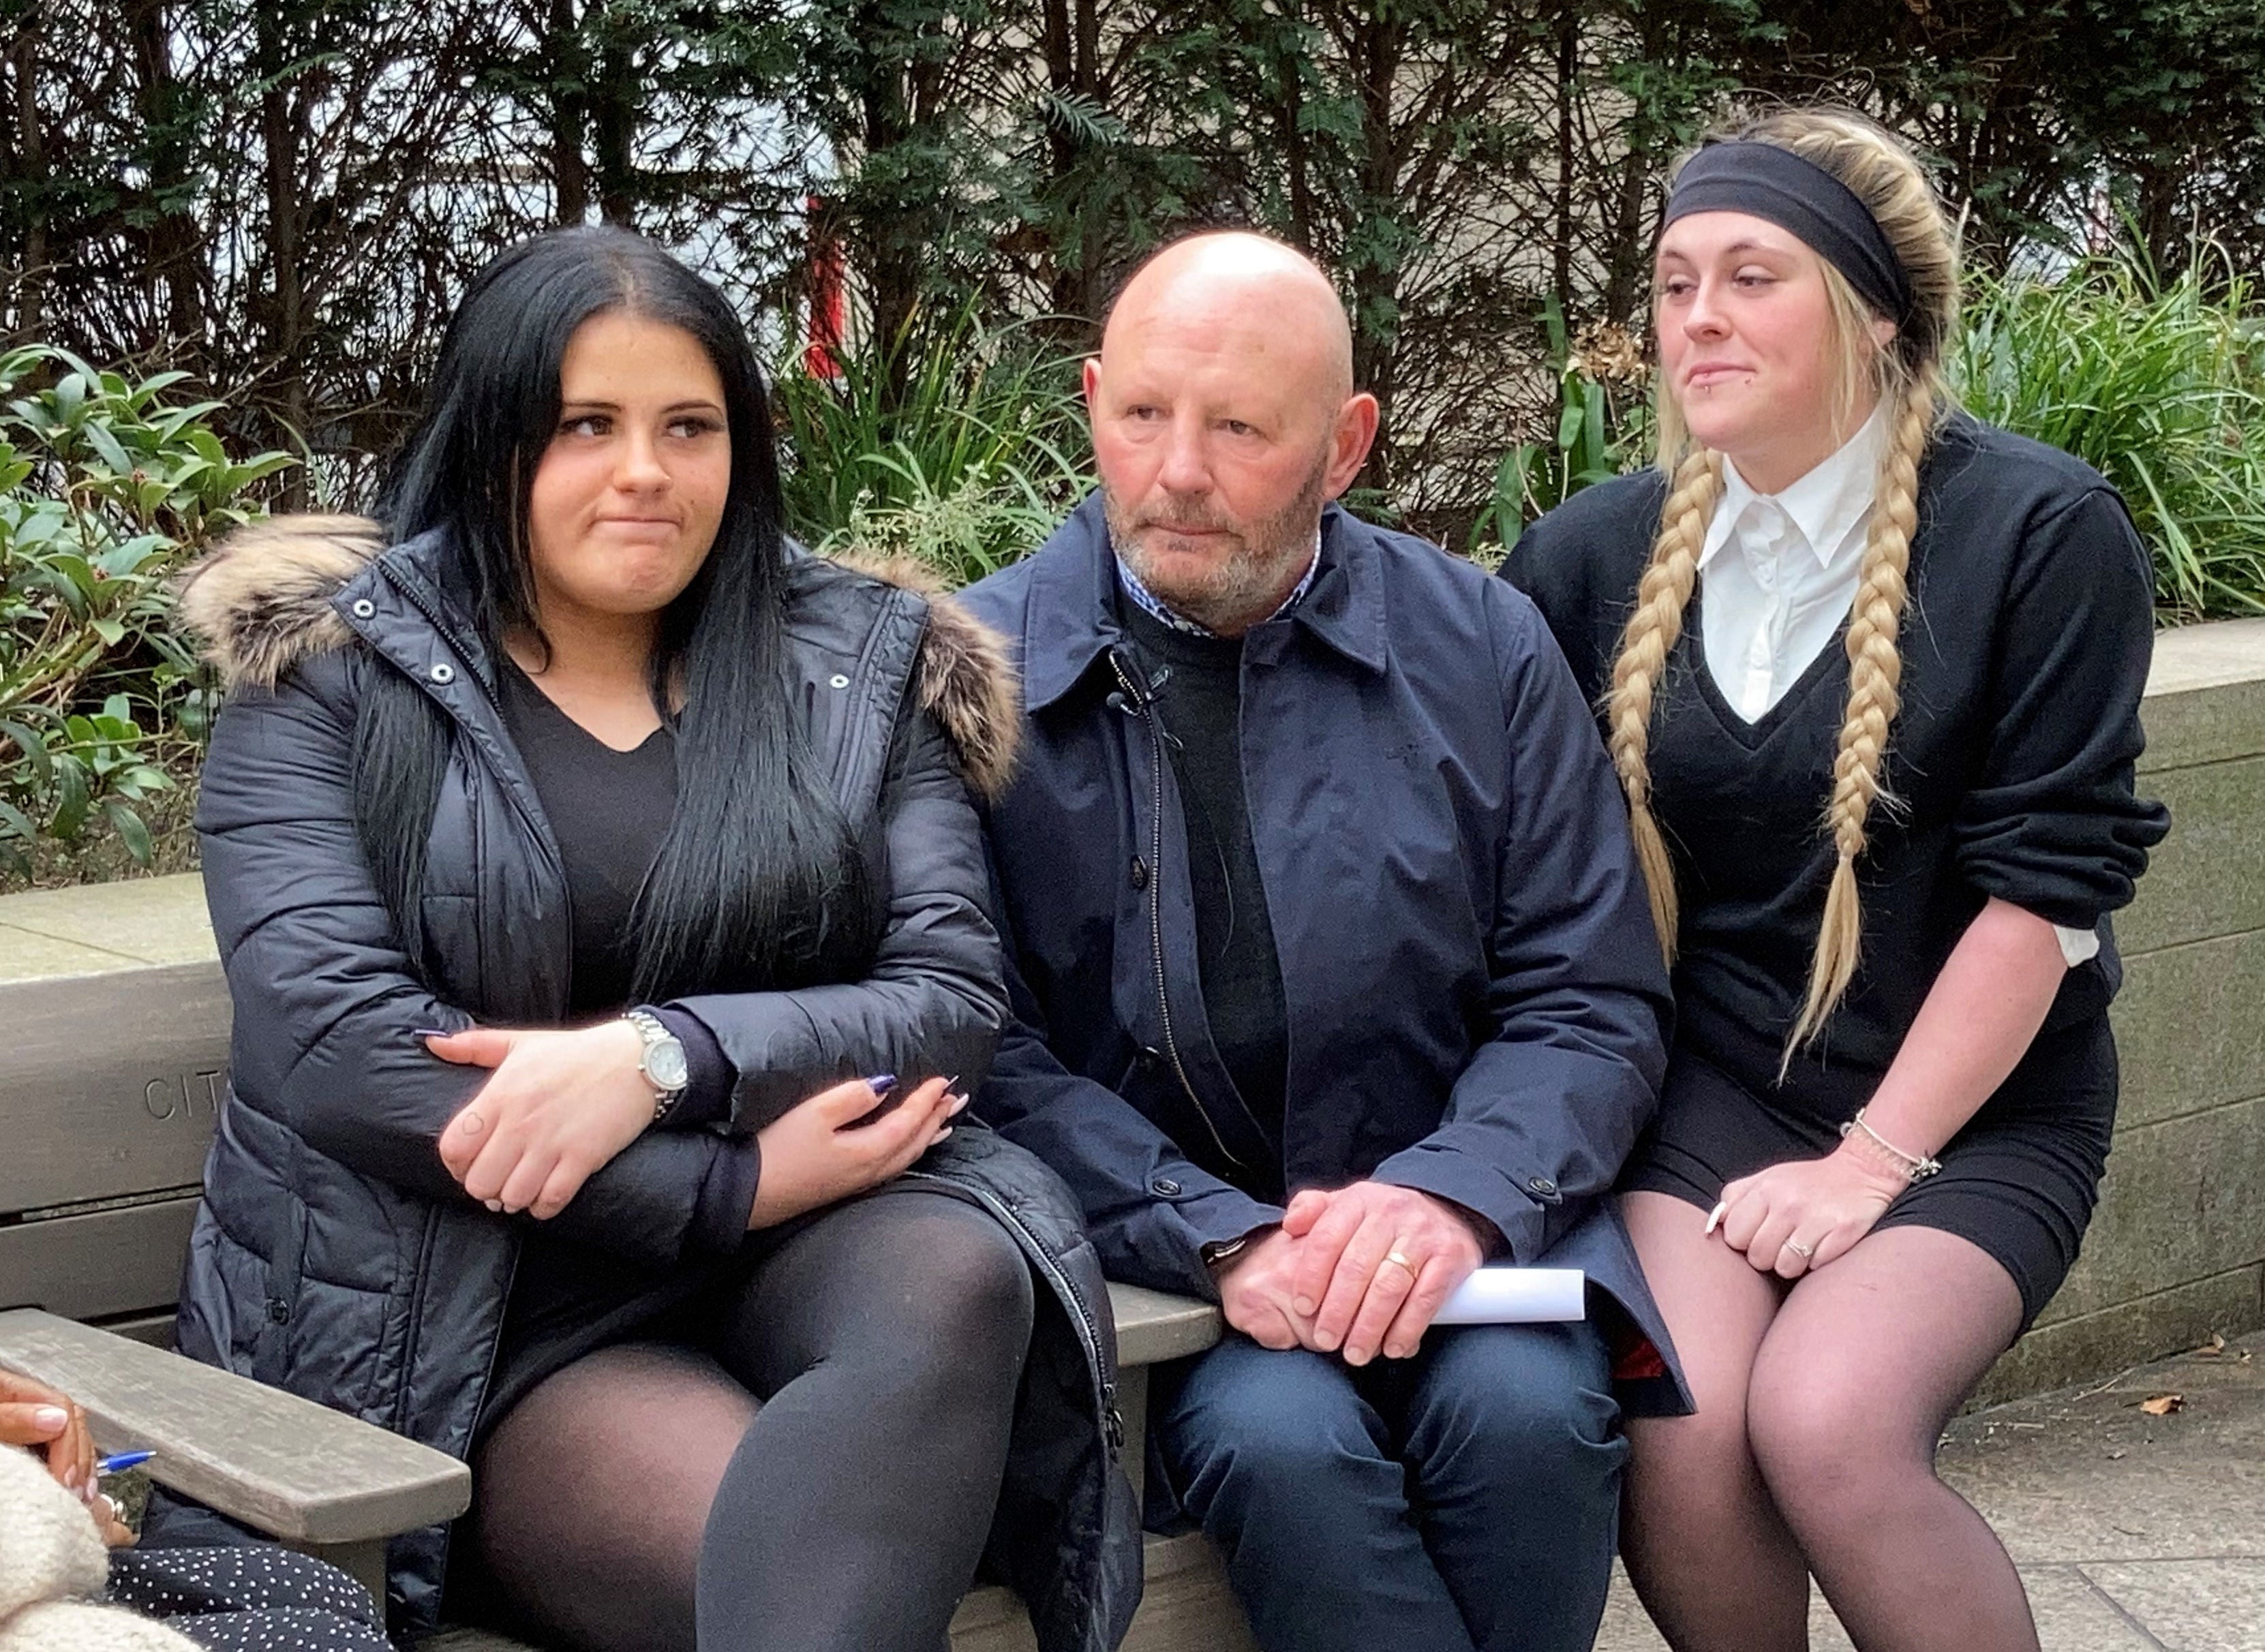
[{"x": 1870, "y": 671}]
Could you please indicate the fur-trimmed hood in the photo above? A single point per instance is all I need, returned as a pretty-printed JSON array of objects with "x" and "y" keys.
[{"x": 266, "y": 599}]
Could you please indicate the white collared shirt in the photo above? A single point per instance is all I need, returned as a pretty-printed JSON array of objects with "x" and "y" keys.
[{"x": 1778, "y": 573}]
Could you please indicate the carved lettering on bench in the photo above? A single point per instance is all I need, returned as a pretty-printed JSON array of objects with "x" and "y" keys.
[{"x": 184, "y": 1097}]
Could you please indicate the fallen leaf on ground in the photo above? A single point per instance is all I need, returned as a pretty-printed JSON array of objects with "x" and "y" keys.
[
  {"x": 2163, "y": 1404},
  {"x": 2213, "y": 1348}
]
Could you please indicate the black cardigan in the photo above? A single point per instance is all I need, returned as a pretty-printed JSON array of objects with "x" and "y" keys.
[{"x": 2025, "y": 646}]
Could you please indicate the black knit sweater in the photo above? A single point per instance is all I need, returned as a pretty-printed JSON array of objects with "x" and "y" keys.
[
  {"x": 2025, "y": 647},
  {"x": 1240, "y": 974}
]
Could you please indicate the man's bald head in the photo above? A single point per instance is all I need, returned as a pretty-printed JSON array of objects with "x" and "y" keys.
[
  {"x": 1236, "y": 282},
  {"x": 1224, "y": 417}
]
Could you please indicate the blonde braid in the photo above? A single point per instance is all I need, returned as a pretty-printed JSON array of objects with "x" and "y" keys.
[
  {"x": 1875, "y": 678},
  {"x": 1661, "y": 597}
]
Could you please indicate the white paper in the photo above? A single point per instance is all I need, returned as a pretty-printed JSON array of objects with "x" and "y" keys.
[{"x": 1516, "y": 1296}]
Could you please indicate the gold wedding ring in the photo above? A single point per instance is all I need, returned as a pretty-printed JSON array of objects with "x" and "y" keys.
[{"x": 1398, "y": 1260}]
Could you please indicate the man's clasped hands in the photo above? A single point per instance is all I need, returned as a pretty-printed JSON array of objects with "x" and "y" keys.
[{"x": 1362, "y": 1270}]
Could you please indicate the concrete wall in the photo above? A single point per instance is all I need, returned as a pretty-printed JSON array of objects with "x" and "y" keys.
[
  {"x": 88, "y": 978},
  {"x": 2177, "y": 1250}
]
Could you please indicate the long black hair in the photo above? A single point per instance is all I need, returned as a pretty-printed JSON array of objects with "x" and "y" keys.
[{"x": 757, "y": 882}]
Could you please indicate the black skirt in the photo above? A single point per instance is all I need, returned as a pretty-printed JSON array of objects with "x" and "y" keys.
[{"x": 2020, "y": 1180}]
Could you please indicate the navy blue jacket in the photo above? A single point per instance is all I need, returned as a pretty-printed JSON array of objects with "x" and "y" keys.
[{"x": 1477, "y": 1006}]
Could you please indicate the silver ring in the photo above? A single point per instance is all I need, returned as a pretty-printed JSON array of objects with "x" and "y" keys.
[{"x": 1807, "y": 1253}]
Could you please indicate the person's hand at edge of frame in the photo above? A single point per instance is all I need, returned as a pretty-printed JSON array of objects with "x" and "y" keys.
[{"x": 34, "y": 1415}]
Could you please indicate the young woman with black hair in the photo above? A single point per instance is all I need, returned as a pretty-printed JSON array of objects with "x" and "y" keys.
[
  {"x": 598, "y": 890},
  {"x": 1870, "y": 671}
]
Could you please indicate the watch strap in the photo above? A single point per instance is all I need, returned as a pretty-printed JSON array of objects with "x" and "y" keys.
[{"x": 649, "y": 1029}]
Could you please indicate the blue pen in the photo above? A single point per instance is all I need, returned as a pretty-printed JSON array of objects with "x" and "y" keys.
[{"x": 118, "y": 1462}]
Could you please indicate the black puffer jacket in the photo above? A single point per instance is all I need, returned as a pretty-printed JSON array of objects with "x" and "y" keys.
[{"x": 334, "y": 1255}]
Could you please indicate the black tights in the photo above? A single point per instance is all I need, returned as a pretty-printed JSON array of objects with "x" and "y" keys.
[
  {"x": 1812, "y": 1449},
  {"x": 820, "y": 1478}
]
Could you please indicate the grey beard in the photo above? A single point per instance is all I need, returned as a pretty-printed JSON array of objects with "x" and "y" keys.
[{"x": 1246, "y": 588}]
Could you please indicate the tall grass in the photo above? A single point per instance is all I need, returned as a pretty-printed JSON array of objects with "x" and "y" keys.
[
  {"x": 2161, "y": 387},
  {"x": 962, "y": 448}
]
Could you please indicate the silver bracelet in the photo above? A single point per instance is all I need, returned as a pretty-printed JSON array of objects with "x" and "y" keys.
[{"x": 1915, "y": 1168}]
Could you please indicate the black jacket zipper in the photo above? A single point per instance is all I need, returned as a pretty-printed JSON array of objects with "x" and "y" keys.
[
  {"x": 536, "y": 825},
  {"x": 1137, "y": 700},
  {"x": 401, "y": 1392},
  {"x": 415, "y": 598}
]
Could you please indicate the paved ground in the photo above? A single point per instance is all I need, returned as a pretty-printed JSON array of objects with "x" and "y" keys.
[{"x": 2135, "y": 1532}]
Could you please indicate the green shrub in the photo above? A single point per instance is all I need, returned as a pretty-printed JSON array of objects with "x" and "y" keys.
[
  {"x": 105, "y": 490},
  {"x": 1603, "y": 429},
  {"x": 2161, "y": 389},
  {"x": 962, "y": 448}
]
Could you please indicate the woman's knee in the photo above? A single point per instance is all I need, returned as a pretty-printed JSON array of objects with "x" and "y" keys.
[
  {"x": 1829, "y": 1443},
  {"x": 968, "y": 1284},
  {"x": 1692, "y": 1463}
]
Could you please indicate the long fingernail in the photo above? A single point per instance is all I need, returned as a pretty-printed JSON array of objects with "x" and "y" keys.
[
  {"x": 431, "y": 1032},
  {"x": 940, "y": 1134},
  {"x": 51, "y": 1419},
  {"x": 1716, "y": 1215},
  {"x": 957, "y": 1101},
  {"x": 881, "y": 1083}
]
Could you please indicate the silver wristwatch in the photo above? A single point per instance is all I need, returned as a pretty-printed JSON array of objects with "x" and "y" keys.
[{"x": 663, "y": 1063}]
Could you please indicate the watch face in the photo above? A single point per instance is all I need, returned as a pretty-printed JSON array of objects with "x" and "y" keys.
[{"x": 664, "y": 1064}]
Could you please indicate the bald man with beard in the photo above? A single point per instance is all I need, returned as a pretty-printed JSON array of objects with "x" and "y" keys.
[{"x": 1333, "y": 978}]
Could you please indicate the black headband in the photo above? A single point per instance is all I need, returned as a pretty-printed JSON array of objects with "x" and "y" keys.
[{"x": 1802, "y": 196}]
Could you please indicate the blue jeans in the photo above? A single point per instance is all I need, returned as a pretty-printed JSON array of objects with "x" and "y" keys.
[{"x": 1466, "y": 1500}]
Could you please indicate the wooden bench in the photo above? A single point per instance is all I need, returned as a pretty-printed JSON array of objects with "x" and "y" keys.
[{"x": 114, "y": 1046}]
